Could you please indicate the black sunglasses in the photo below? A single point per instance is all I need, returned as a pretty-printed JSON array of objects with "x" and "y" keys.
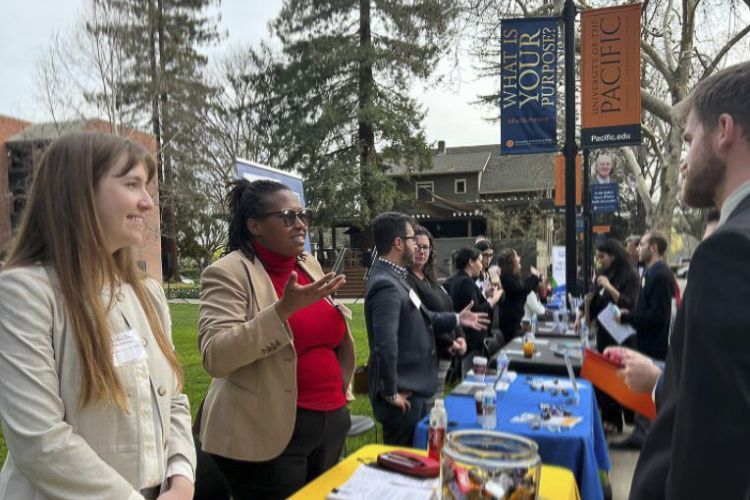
[{"x": 290, "y": 216}]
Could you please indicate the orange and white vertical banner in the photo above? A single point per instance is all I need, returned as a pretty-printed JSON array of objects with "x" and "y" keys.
[
  {"x": 611, "y": 76},
  {"x": 560, "y": 180}
]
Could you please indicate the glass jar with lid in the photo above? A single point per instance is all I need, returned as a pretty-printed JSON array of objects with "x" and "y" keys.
[{"x": 489, "y": 464}]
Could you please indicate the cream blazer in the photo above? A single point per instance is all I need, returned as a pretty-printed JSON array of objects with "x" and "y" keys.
[
  {"x": 55, "y": 448},
  {"x": 250, "y": 408}
]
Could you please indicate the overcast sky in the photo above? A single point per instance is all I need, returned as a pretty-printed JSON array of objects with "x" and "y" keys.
[{"x": 27, "y": 26}]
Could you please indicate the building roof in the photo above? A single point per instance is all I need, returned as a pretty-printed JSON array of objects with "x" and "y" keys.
[
  {"x": 48, "y": 132},
  {"x": 516, "y": 173},
  {"x": 460, "y": 160},
  {"x": 10, "y": 126},
  {"x": 44, "y": 132},
  {"x": 499, "y": 174}
]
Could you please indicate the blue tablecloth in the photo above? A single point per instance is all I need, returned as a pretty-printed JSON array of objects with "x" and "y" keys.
[{"x": 582, "y": 449}]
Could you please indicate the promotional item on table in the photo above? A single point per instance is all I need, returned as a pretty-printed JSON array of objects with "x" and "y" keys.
[{"x": 578, "y": 444}]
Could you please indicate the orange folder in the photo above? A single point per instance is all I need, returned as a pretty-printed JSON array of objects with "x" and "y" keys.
[{"x": 603, "y": 374}]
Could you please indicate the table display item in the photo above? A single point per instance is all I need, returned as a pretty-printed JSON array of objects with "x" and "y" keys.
[
  {"x": 480, "y": 367},
  {"x": 528, "y": 345},
  {"x": 438, "y": 426},
  {"x": 489, "y": 464},
  {"x": 489, "y": 408},
  {"x": 411, "y": 464}
]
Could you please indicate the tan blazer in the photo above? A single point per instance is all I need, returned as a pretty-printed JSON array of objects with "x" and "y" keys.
[
  {"x": 55, "y": 448},
  {"x": 250, "y": 408}
]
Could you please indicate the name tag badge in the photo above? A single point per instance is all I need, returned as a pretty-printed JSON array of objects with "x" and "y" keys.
[
  {"x": 415, "y": 298},
  {"x": 127, "y": 348}
]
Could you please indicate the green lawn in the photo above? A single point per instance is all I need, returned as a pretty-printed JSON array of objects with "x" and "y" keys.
[{"x": 185, "y": 332}]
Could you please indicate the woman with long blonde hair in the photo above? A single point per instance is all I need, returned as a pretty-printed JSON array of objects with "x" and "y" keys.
[{"x": 90, "y": 387}]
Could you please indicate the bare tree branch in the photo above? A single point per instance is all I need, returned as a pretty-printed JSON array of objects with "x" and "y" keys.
[
  {"x": 655, "y": 105},
  {"x": 725, "y": 49},
  {"x": 655, "y": 59}
]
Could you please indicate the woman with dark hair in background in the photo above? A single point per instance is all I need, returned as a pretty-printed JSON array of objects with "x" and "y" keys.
[
  {"x": 516, "y": 291},
  {"x": 617, "y": 283},
  {"x": 278, "y": 348},
  {"x": 422, "y": 279},
  {"x": 463, "y": 290}
]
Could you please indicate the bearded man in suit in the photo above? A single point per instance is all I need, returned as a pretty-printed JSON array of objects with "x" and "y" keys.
[{"x": 697, "y": 446}]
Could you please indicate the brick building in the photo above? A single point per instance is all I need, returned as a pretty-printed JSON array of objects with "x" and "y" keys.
[{"x": 22, "y": 145}]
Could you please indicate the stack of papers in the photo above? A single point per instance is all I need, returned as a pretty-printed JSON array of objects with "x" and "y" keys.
[
  {"x": 470, "y": 385},
  {"x": 618, "y": 331},
  {"x": 373, "y": 483},
  {"x": 551, "y": 423}
]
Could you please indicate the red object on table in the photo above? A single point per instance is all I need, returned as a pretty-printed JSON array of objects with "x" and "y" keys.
[
  {"x": 409, "y": 463},
  {"x": 602, "y": 372}
]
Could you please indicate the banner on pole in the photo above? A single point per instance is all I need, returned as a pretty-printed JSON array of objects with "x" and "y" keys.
[
  {"x": 558, "y": 277},
  {"x": 560, "y": 180},
  {"x": 611, "y": 76},
  {"x": 528, "y": 85}
]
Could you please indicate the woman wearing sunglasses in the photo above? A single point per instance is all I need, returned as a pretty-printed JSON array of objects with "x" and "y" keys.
[
  {"x": 278, "y": 348},
  {"x": 90, "y": 387}
]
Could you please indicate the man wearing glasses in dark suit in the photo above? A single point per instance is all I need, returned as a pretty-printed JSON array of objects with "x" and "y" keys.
[{"x": 403, "y": 358}]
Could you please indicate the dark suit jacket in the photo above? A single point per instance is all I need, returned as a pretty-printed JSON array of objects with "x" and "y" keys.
[
  {"x": 698, "y": 445},
  {"x": 653, "y": 311},
  {"x": 402, "y": 345}
]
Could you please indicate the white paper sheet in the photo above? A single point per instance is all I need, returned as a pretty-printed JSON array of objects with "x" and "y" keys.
[
  {"x": 618, "y": 331},
  {"x": 370, "y": 483}
]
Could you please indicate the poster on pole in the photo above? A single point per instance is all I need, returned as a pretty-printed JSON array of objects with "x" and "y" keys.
[
  {"x": 611, "y": 76},
  {"x": 253, "y": 171},
  {"x": 528, "y": 85},
  {"x": 558, "y": 276}
]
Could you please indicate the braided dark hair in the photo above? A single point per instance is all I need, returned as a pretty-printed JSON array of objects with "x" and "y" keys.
[{"x": 247, "y": 200}]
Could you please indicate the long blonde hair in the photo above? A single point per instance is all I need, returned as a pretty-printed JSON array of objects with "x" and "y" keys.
[{"x": 61, "y": 228}]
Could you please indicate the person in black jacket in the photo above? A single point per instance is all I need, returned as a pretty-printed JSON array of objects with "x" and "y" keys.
[
  {"x": 616, "y": 283},
  {"x": 464, "y": 291},
  {"x": 421, "y": 277},
  {"x": 516, "y": 291},
  {"x": 651, "y": 316},
  {"x": 653, "y": 309},
  {"x": 697, "y": 446}
]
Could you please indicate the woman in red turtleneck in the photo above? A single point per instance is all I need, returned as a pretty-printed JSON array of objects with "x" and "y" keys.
[{"x": 278, "y": 348}]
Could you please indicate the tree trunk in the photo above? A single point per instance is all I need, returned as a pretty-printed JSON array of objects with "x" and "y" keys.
[
  {"x": 156, "y": 125},
  {"x": 169, "y": 224},
  {"x": 366, "y": 133},
  {"x": 668, "y": 183}
]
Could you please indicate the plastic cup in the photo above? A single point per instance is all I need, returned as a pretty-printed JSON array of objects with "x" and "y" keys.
[{"x": 480, "y": 367}]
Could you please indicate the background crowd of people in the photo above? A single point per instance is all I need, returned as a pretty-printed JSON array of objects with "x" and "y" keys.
[{"x": 91, "y": 392}]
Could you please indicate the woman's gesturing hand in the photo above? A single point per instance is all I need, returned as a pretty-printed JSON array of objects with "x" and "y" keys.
[
  {"x": 473, "y": 320},
  {"x": 296, "y": 296}
]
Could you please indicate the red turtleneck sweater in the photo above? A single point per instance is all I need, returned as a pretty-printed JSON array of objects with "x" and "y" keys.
[{"x": 317, "y": 329}]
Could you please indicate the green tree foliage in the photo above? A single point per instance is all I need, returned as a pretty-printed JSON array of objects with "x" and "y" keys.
[
  {"x": 161, "y": 41},
  {"x": 341, "y": 96}
]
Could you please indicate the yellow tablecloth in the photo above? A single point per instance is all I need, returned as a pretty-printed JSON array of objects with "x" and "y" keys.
[{"x": 557, "y": 483}]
